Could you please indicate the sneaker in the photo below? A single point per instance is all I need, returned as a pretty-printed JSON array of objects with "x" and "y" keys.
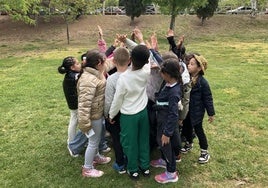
[
  {"x": 158, "y": 163},
  {"x": 106, "y": 150},
  {"x": 133, "y": 175},
  {"x": 187, "y": 147},
  {"x": 71, "y": 152},
  {"x": 93, "y": 173},
  {"x": 166, "y": 177},
  {"x": 119, "y": 169},
  {"x": 178, "y": 158},
  {"x": 204, "y": 157},
  {"x": 100, "y": 159},
  {"x": 145, "y": 173}
]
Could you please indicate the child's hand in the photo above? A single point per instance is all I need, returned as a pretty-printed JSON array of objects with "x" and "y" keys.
[
  {"x": 170, "y": 33},
  {"x": 154, "y": 41},
  {"x": 122, "y": 38},
  {"x": 210, "y": 119},
  {"x": 138, "y": 35},
  {"x": 164, "y": 140},
  {"x": 111, "y": 121},
  {"x": 100, "y": 32},
  {"x": 148, "y": 44},
  {"x": 116, "y": 43}
]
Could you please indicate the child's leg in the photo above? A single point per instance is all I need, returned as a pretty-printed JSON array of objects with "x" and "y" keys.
[
  {"x": 143, "y": 142},
  {"x": 93, "y": 142},
  {"x": 187, "y": 129},
  {"x": 103, "y": 143},
  {"x": 114, "y": 130},
  {"x": 199, "y": 131},
  {"x": 128, "y": 138},
  {"x": 78, "y": 144},
  {"x": 72, "y": 125}
]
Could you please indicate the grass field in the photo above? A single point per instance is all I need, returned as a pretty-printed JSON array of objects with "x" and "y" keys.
[{"x": 34, "y": 114}]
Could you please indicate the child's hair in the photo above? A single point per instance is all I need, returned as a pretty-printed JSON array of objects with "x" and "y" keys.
[
  {"x": 94, "y": 57},
  {"x": 66, "y": 65},
  {"x": 169, "y": 55},
  {"x": 172, "y": 67},
  {"x": 83, "y": 56},
  {"x": 121, "y": 56},
  {"x": 139, "y": 56}
]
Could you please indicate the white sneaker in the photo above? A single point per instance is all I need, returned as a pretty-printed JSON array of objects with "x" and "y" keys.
[
  {"x": 93, "y": 173},
  {"x": 100, "y": 159}
]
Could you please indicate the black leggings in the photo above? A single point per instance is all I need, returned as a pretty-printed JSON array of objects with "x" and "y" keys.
[{"x": 187, "y": 131}]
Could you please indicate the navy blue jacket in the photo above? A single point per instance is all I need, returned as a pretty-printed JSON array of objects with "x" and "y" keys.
[
  {"x": 69, "y": 89},
  {"x": 200, "y": 100},
  {"x": 168, "y": 115}
]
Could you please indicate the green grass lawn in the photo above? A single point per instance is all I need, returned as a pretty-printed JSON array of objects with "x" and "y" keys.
[{"x": 34, "y": 115}]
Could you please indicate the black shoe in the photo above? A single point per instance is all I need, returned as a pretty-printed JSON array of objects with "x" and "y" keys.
[
  {"x": 133, "y": 175},
  {"x": 204, "y": 157},
  {"x": 187, "y": 147},
  {"x": 145, "y": 173}
]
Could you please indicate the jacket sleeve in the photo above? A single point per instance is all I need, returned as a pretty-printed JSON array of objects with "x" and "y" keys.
[
  {"x": 118, "y": 98},
  {"x": 87, "y": 92},
  {"x": 109, "y": 65},
  {"x": 109, "y": 95},
  {"x": 185, "y": 101},
  {"x": 172, "y": 119},
  {"x": 102, "y": 45},
  {"x": 207, "y": 98}
]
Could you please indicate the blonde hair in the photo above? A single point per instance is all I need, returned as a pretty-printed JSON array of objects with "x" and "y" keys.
[{"x": 121, "y": 56}]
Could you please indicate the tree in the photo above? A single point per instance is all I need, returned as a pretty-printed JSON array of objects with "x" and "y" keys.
[
  {"x": 70, "y": 10},
  {"x": 23, "y": 10},
  {"x": 134, "y": 8},
  {"x": 207, "y": 11},
  {"x": 174, "y": 6}
]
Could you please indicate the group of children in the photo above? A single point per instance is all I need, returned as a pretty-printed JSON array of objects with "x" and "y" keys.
[{"x": 143, "y": 98}]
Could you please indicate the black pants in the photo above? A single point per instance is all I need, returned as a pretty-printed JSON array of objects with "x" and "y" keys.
[
  {"x": 187, "y": 131},
  {"x": 114, "y": 130},
  {"x": 153, "y": 124},
  {"x": 168, "y": 151}
]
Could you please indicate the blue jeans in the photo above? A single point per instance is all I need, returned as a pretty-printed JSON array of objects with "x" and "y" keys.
[{"x": 77, "y": 145}]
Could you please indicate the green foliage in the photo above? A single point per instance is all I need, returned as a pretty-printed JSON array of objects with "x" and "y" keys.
[
  {"x": 208, "y": 10},
  {"x": 134, "y": 8},
  {"x": 24, "y": 10}
]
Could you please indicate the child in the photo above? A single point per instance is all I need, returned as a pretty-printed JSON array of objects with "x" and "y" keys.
[
  {"x": 131, "y": 99},
  {"x": 90, "y": 88},
  {"x": 167, "y": 118},
  {"x": 121, "y": 61},
  {"x": 200, "y": 100},
  {"x": 71, "y": 68},
  {"x": 178, "y": 48}
]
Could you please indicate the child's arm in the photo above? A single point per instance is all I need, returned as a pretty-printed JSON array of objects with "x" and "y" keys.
[
  {"x": 85, "y": 98},
  {"x": 118, "y": 99},
  {"x": 109, "y": 95},
  {"x": 101, "y": 42},
  {"x": 208, "y": 100}
]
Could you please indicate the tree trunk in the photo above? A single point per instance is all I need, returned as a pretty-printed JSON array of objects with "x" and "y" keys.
[
  {"x": 173, "y": 16},
  {"x": 67, "y": 29}
]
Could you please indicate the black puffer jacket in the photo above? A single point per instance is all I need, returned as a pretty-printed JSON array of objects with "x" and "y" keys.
[
  {"x": 69, "y": 88},
  {"x": 200, "y": 100}
]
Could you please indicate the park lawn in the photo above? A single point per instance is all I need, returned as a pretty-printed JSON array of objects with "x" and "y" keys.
[{"x": 34, "y": 115}]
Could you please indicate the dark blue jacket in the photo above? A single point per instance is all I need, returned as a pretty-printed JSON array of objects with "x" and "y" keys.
[
  {"x": 69, "y": 89},
  {"x": 167, "y": 116},
  {"x": 200, "y": 100}
]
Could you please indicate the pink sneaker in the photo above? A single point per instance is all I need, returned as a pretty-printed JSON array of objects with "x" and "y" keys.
[
  {"x": 166, "y": 177},
  {"x": 100, "y": 159},
  {"x": 93, "y": 173},
  {"x": 158, "y": 163}
]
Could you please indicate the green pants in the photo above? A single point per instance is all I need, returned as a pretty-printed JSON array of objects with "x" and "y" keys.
[{"x": 134, "y": 137}]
